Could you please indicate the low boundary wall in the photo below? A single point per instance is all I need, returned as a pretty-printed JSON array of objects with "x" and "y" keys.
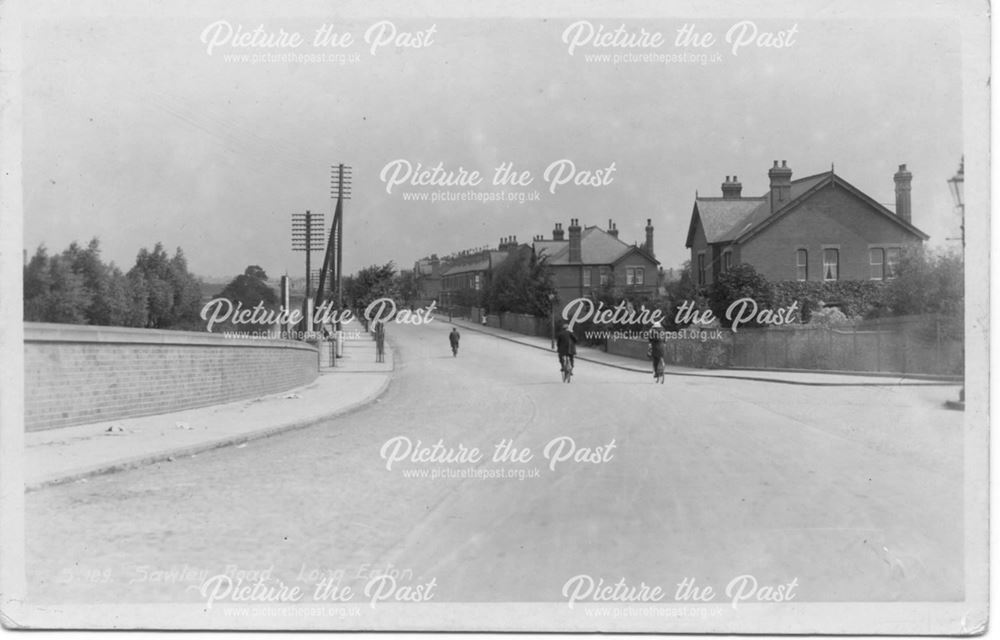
[{"x": 78, "y": 374}]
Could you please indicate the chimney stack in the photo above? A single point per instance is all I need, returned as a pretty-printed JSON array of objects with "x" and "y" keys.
[
  {"x": 903, "y": 179},
  {"x": 732, "y": 189},
  {"x": 575, "y": 249},
  {"x": 781, "y": 185},
  {"x": 557, "y": 233},
  {"x": 612, "y": 229},
  {"x": 649, "y": 237}
]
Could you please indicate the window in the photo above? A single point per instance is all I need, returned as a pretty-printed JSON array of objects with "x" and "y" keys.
[
  {"x": 831, "y": 264},
  {"x": 801, "y": 265},
  {"x": 876, "y": 264},
  {"x": 701, "y": 268},
  {"x": 586, "y": 276},
  {"x": 477, "y": 282},
  {"x": 605, "y": 276},
  {"x": 634, "y": 276},
  {"x": 727, "y": 261},
  {"x": 891, "y": 262}
]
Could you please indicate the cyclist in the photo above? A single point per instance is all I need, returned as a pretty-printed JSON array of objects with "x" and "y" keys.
[
  {"x": 565, "y": 346},
  {"x": 453, "y": 338}
]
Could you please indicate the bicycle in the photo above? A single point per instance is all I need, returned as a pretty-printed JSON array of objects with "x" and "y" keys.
[{"x": 567, "y": 367}]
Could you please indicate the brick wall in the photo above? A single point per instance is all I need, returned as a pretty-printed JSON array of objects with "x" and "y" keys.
[
  {"x": 832, "y": 218},
  {"x": 568, "y": 281},
  {"x": 80, "y": 374}
]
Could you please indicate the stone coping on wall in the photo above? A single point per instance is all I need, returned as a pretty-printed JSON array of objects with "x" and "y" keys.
[{"x": 81, "y": 333}]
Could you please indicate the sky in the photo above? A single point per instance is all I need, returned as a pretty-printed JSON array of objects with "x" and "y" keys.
[{"x": 136, "y": 132}]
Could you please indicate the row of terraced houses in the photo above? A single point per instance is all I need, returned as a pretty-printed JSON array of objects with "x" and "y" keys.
[{"x": 818, "y": 228}]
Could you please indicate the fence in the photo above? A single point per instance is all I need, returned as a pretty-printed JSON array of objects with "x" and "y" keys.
[
  {"x": 928, "y": 345},
  {"x": 915, "y": 344}
]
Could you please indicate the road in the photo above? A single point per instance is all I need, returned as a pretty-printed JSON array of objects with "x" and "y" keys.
[{"x": 853, "y": 493}]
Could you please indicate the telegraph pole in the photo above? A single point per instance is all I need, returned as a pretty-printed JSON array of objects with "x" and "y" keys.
[
  {"x": 305, "y": 228},
  {"x": 340, "y": 187}
]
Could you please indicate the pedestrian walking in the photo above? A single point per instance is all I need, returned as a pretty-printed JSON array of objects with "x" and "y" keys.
[
  {"x": 453, "y": 338},
  {"x": 657, "y": 351}
]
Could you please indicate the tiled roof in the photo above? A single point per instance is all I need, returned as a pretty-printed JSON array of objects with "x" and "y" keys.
[
  {"x": 731, "y": 220},
  {"x": 477, "y": 262},
  {"x": 719, "y": 217},
  {"x": 763, "y": 210},
  {"x": 725, "y": 220},
  {"x": 596, "y": 247},
  {"x": 481, "y": 264}
]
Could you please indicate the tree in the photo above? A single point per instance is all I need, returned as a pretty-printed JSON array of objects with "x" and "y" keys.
[
  {"x": 53, "y": 292},
  {"x": 172, "y": 293},
  {"x": 186, "y": 292},
  {"x": 679, "y": 291},
  {"x": 370, "y": 284},
  {"x": 520, "y": 284},
  {"x": 927, "y": 282},
  {"x": 407, "y": 285},
  {"x": 37, "y": 285},
  {"x": 249, "y": 290},
  {"x": 107, "y": 286},
  {"x": 78, "y": 287},
  {"x": 740, "y": 281}
]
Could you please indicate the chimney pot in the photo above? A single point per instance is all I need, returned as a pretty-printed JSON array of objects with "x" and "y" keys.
[
  {"x": 903, "y": 179},
  {"x": 575, "y": 248},
  {"x": 731, "y": 189},
  {"x": 781, "y": 185},
  {"x": 648, "y": 246}
]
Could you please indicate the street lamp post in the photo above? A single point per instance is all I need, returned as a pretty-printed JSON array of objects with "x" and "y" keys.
[{"x": 957, "y": 186}]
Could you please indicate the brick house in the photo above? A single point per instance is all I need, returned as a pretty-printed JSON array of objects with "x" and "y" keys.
[
  {"x": 427, "y": 278},
  {"x": 466, "y": 274},
  {"x": 818, "y": 228},
  {"x": 590, "y": 258}
]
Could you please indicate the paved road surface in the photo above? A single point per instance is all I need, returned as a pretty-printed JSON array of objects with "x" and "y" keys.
[{"x": 853, "y": 492}]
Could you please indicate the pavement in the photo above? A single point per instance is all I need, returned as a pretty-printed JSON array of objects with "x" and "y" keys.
[
  {"x": 56, "y": 456},
  {"x": 777, "y": 376}
]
